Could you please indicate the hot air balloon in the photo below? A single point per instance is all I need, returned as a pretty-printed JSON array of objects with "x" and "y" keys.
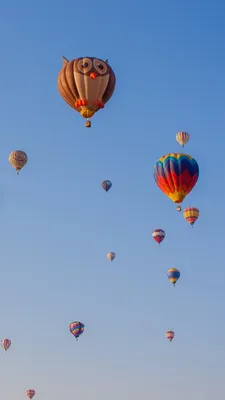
[
  {"x": 6, "y": 343},
  {"x": 158, "y": 235},
  {"x": 111, "y": 255},
  {"x": 106, "y": 185},
  {"x": 191, "y": 215},
  {"x": 86, "y": 84},
  {"x": 76, "y": 328},
  {"x": 170, "y": 335},
  {"x": 176, "y": 174},
  {"x": 18, "y": 159},
  {"x": 178, "y": 208},
  {"x": 173, "y": 275},
  {"x": 182, "y": 138},
  {"x": 30, "y": 393}
]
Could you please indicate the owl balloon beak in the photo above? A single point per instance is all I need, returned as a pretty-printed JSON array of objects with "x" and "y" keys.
[{"x": 93, "y": 75}]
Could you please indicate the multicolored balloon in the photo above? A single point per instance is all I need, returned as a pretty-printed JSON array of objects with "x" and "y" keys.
[
  {"x": 18, "y": 160},
  {"x": 6, "y": 343},
  {"x": 76, "y": 328},
  {"x": 191, "y": 215},
  {"x": 158, "y": 235},
  {"x": 176, "y": 174},
  {"x": 178, "y": 208},
  {"x": 170, "y": 335},
  {"x": 111, "y": 255},
  {"x": 86, "y": 84},
  {"x": 182, "y": 138},
  {"x": 106, "y": 185},
  {"x": 173, "y": 275},
  {"x": 30, "y": 393}
]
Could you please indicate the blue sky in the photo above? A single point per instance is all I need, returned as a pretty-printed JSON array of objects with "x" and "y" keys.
[{"x": 57, "y": 223}]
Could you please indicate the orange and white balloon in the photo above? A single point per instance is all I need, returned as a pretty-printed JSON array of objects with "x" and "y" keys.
[{"x": 18, "y": 160}]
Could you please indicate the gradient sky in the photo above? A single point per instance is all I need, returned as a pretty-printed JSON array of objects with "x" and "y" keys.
[{"x": 57, "y": 224}]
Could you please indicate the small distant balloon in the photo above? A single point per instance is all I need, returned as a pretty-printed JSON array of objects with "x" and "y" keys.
[
  {"x": 158, "y": 235},
  {"x": 106, "y": 185},
  {"x": 182, "y": 138},
  {"x": 191, "y": 215},
  {"x": 30, "y": 393},
  {"x": 173, "y": 275},
  {"x": 170, "y": 335},
  {"x": 18, "y": 160},
  {"x": 6, "y": 343},
  {"x": 111, "y": 255},
  {"x": 76, "y": 328},
  {"x": 178, "y": 208}
]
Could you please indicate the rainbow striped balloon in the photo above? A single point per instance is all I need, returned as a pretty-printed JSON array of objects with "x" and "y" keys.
[
  {"x": 76, "y": 328},
  {"x": 182, "y": 138},
  {"x": 176, "y": 174},
  {"x": 173, "y": 275},
  {"x": 191, "y": 215}
]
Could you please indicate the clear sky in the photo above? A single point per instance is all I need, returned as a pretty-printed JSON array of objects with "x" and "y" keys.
[{"x": 57, "y": 223}]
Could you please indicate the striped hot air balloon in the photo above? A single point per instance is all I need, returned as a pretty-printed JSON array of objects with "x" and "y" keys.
[
  {"x": 182, "y": 138},
  {"x": 158, "y": 235},
  {"x": 18, "y": 160},
  {"x": 176, "y": 174},
  {"x": 30, "y": 393},
  {"x": 191, "y": 215},
  {"x": 173, "y": 275},
  {"x": 170, "y": 335},
  {"x": 76, "y": 328},
  {"x": 6, "y": 343}
]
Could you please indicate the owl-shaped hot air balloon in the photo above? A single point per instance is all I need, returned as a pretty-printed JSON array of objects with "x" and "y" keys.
[
  {"x": 176, "y": 174},
  {"x": 30, "y": 393},
  {"x": 106, "y": 185},
  {"x": 178, "y": 208},
  {"x": 158, "y": 235},
  {"x": 86, "y": 84},
  {"x": 18, "y": 160},
  {"x": 6, "y": 343},
  {"x": 191, "y": 215},
  {"x": 173, "y": 275},
  {"x": 182, "y": 138},
  {"x": 76, "y": 328},
  {"x": 170, "y": 335},
  {"x": 111, "y": 255}
]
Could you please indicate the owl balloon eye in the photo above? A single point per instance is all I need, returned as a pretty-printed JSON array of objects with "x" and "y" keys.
[
  {"x": 100, "y": 66},
  {"x": 84, "y": 65}
]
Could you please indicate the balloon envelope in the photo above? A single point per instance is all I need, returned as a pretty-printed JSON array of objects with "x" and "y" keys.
[
  {"x": 111, "y": 255},
  {"x": 106, "y": 185},
  {"x": 18, "y": 159},
  {"x": 191, "y": 215},
  {"x": 6, "y": 343},
  {"x": 173, "y": 275},
  {"x": 158, "y": 235},
  {"x": 170, "y": 335},
  {"x": 182, "y": 138},
  {"x": 176, "y": 174},
  {"x": 86, "y": 84},
  {"x": 76, "y": 328},
  {"x": 30, "y": 393}
]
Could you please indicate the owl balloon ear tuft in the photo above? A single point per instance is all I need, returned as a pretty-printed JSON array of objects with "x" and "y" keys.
[
  {"x": 65, "y": 61},
  {"x": 106, "y": 61}
]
